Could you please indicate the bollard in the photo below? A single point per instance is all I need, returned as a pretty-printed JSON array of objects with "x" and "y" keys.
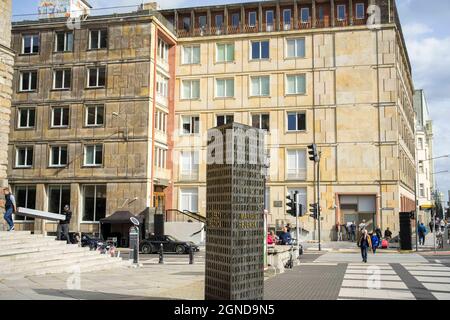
[
  {"x": 135, "y": 254},
  {"x": 161, "y": 254},
  {"x": 191, "y": 256}
]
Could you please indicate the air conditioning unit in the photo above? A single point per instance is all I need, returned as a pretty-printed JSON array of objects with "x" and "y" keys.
[
  {"x": 287, "y": 27},
  {"x": 269, "y": 27}
]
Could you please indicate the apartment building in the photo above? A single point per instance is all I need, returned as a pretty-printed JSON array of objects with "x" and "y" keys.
[
  {"x": 306, "y": 71},
  {"x": 425, "y": 163},
  {"x": 90, "y": 122},
  {"x": 6, "y": 75}
]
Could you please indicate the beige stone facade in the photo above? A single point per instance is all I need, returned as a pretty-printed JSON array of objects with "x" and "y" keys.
[
  {"x": 357, "y": 104},
  {"x": 107, "y": 136},
  {"x": 6, "y": 75}
]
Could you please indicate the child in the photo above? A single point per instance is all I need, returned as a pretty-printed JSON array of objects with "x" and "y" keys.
[{"x": 375, "y": 242}]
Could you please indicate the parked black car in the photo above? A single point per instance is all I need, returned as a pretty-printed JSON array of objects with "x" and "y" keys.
[{"x": 170, "y": 244}]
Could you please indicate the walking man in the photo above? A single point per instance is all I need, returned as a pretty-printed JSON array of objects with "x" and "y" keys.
[
  {"x": 63, "y": 226},
  {"x": 10, "y": 208},
  {"x": 364, "y": 243},
  {"x": 431, "y": 225},
  {"x": 422, "y": 231},
  {"x": 353, "y": 231}
]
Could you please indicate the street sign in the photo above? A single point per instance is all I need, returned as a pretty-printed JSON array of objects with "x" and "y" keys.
[{"x": 134, "y": 221}]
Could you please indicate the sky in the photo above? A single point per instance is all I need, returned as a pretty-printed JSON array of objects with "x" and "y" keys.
[{"x": 425, "y": 27}]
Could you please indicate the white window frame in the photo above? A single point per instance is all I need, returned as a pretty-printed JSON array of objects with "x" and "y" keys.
[
  {"x": 250, "y": 19},
  {"x": 260, "y": 50},
  {"x": 226, "y": 49},
  {"x": 161, "y": 157},
  {"x": 296, "y": 93},
  {"x": 161, "y": 121},
  {"x": 296, "y": 49},
  {"x": 59, "y": 165},
  {"x": 64, "y": 85},
  {"x": 33, "y": 36},
  {"x": 191, "y": 123},
  {"x": 191, "y": 48},
  {"x": 62, "y": 117},
  {"x": 192, "y": 172},
  {"x": 270, "y": 27},
  {"x": 99, "y": 40},
  {"x": 162, "y": 86},
  {"x": 191, "y": 84},
  {"x": 422, "y": 190},
  {"x": 97, "y": 77},
  {"x": 296, "y": 121},
  {"x": 364, "y": 11},
  {"x": 95, "y": 146},
  {"x": 259, "y": 79},
  {"x": 66, "y": 49},
  {"x": 287, "y": 26},
  {"x": 337, "y": 12},
  {"x": 226, "y": 85},
  {"x": 225, "y": 115},
  {"x": 86, "y": 115},
  {"x": 301, "y": 14},
  {"x": 27, "y": 148},
  {"x": 19, "y": 117},
  {"x": 163, "y": 50},
  {"x": 30, "y": 73},
  {"x": 191, "y": 192},
  {"x": 296, "y": 173}
]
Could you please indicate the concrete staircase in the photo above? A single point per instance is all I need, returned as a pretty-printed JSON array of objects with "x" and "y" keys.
[{"x": 24, "y": 254}]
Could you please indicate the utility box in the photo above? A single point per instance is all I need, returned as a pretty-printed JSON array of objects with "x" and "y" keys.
[
  {"x": 405, "y": 231},
  {"x": 134, "y": 244},
  {"x": 235, "y": 232}
]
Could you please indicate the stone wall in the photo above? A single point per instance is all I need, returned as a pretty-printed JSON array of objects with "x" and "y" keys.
[{"x": 6, "y": 75}]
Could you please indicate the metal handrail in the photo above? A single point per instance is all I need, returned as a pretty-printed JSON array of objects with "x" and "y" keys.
[{"x": 193, "y": 215}]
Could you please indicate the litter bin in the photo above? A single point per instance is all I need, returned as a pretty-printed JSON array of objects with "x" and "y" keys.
[{"x": 134, "y": 244}]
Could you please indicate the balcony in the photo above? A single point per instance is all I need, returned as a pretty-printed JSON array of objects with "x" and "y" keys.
[
  {"x": 296, "y": 174},
  {"x": 189, "y": 175}
]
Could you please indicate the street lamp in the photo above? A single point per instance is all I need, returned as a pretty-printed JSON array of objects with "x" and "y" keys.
[{"x": 115, "y": 114}]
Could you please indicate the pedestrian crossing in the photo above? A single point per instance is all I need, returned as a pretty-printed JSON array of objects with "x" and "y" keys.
[{"x": 381, "y": 281}]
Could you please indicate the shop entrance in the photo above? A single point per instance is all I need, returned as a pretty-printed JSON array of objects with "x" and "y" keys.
[{"x": 358, "y": 208}]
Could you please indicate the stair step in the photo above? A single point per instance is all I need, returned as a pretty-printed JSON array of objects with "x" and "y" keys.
[
  {"x": 16, "y": 235},
  {"x": 18, "y": 251},
  {"x": 11, "y": 242},
  {"x": 41, "y": 254},
  {"x": 32, "y": 245}
]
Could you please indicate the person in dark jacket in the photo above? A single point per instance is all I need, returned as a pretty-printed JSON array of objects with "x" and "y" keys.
[
  {"x": 10, "y": 208},
  {"x": 431, "y": 225},
  {"x": 422, "y": 231},
  {"x": 379, "y": 235},
  {"x": 364, "y": 243},
  {"x": 388, "y": 234},
  {"x": 285, "y": 237},
  {"x": 63, "y": 226},
  {"x": 375, "y": 243}
]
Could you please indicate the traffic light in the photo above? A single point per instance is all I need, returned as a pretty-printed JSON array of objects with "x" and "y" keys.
[
  {"x": 313, "y": 210},
  {"x": 313, "y": 154},
  {"x": 291, "y": 205}
]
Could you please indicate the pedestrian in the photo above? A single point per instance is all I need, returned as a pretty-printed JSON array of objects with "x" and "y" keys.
[
  {"x": 63, "y": 226},
  {"x": 10, "y": 208},
  {"x": 353, "y": 231},
  {"x": 379, "y": 234},
  {"x": 437, "y": 225},
  {"x": 443, "y": 224},
  {"x": 388, "y": 234},
  {"x": 431, "y": 225},
  {"x": 364, "y": 243},
  {"x": 422, "y": 231},
  {"x": 375, "y": 242},
  {"x": 348, "y": 228},
  {"x": 271, "y": 238},
  {"x": 285, "y": 237},
  {"x": 288, "y": 227},
  {"x": 339, "y": 232}
]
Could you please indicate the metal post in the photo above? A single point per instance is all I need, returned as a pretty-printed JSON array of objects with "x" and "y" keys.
[
  {"x": 191, "y": 256},
  {"x": 318, "y": 201},
  {"x": 297, "y": 216},
  {"x": 433, "y": 217},
  {"x": 417, "y": 201},
  {"x": 161, "y": 254}
]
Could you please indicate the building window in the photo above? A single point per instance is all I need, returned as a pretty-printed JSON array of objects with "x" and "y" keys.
[
  {"x": 224, "y": 88},
  {"x": 422, "y": 190},
  {"x": 64, "y": 41},
  {"x": 30, "y": 44},
  {"x": 287, "y": 19},
  {"x": 94, "y": 203},
  {"x": 93, "y": 155},
  {"x": 304, "y": 15},
  {"x": 58, "y": 156},
  {"x": 296, "y": 121},
  {"x": 360, "y": 11},
  {"x": 420, "y": 143},
  {"x": 24, "y": 157},
  {"x": 202, "y": 22},
  {"x": 60, "y": 117},
  {"x": 421, "y": 167},
  {"x": 96, "y": 77},
  {"x": 260, "y": 86},
  {"x": 189, "y": 199},
  {"x": 260, "y": 50},
  {"x": 26, "y": 118},
  {"x": 321, "y": 13},
  {"x": 224, "y": 119},
  {"x": 187, "y": 24},
  {"x": 62, "y": 79},
  {"x": 98, "y": 39},
  {"x": 341, "y": 14},
  {"x": 191, "y": 89},
  {"x": 269, "y": 20},
  {"x": 235, "y": 20},
  {"x": 189, "y": 165},
  {"x": 219, "y": 21},
  {"x": 261, "y": 121},
  {"x": 160, "y": 158},
  {"x": 58, "y": 197},
  {"x": 28, "y": 81},
  {"x": 191, "y": 54},
  {"x": 225, "y": 52},
  {"x": 296, "y": 165},
  {"x": 252, "y": 19},
  {"x": 95, "y": 115},
  {"x": 296, "y": 84},
  {"x": 162, "y": 86},
  {"x": 161, "y": 121},
  {"x": 25, "y": 198},
  {"x": 163, "y": 50},
  {"x": 295, "y": 48},
  {"x": 302, "y": 195},
  {"x": 191, "y": 124}
]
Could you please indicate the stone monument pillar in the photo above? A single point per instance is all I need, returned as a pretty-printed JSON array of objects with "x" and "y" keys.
[
  {"x": 6, "y": 76},
  {"x": 235, "y": 213}
]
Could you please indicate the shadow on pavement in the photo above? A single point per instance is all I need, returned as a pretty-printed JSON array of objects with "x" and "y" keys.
[{"x": 92, "y": 295}]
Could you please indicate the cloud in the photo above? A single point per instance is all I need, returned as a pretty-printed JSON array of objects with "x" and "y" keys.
[{"x": 416, "y": 29}]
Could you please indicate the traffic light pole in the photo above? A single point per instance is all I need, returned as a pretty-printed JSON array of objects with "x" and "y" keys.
[
  {"x": 297, "y": 216},
  {"x": 318, "y": 202}
]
